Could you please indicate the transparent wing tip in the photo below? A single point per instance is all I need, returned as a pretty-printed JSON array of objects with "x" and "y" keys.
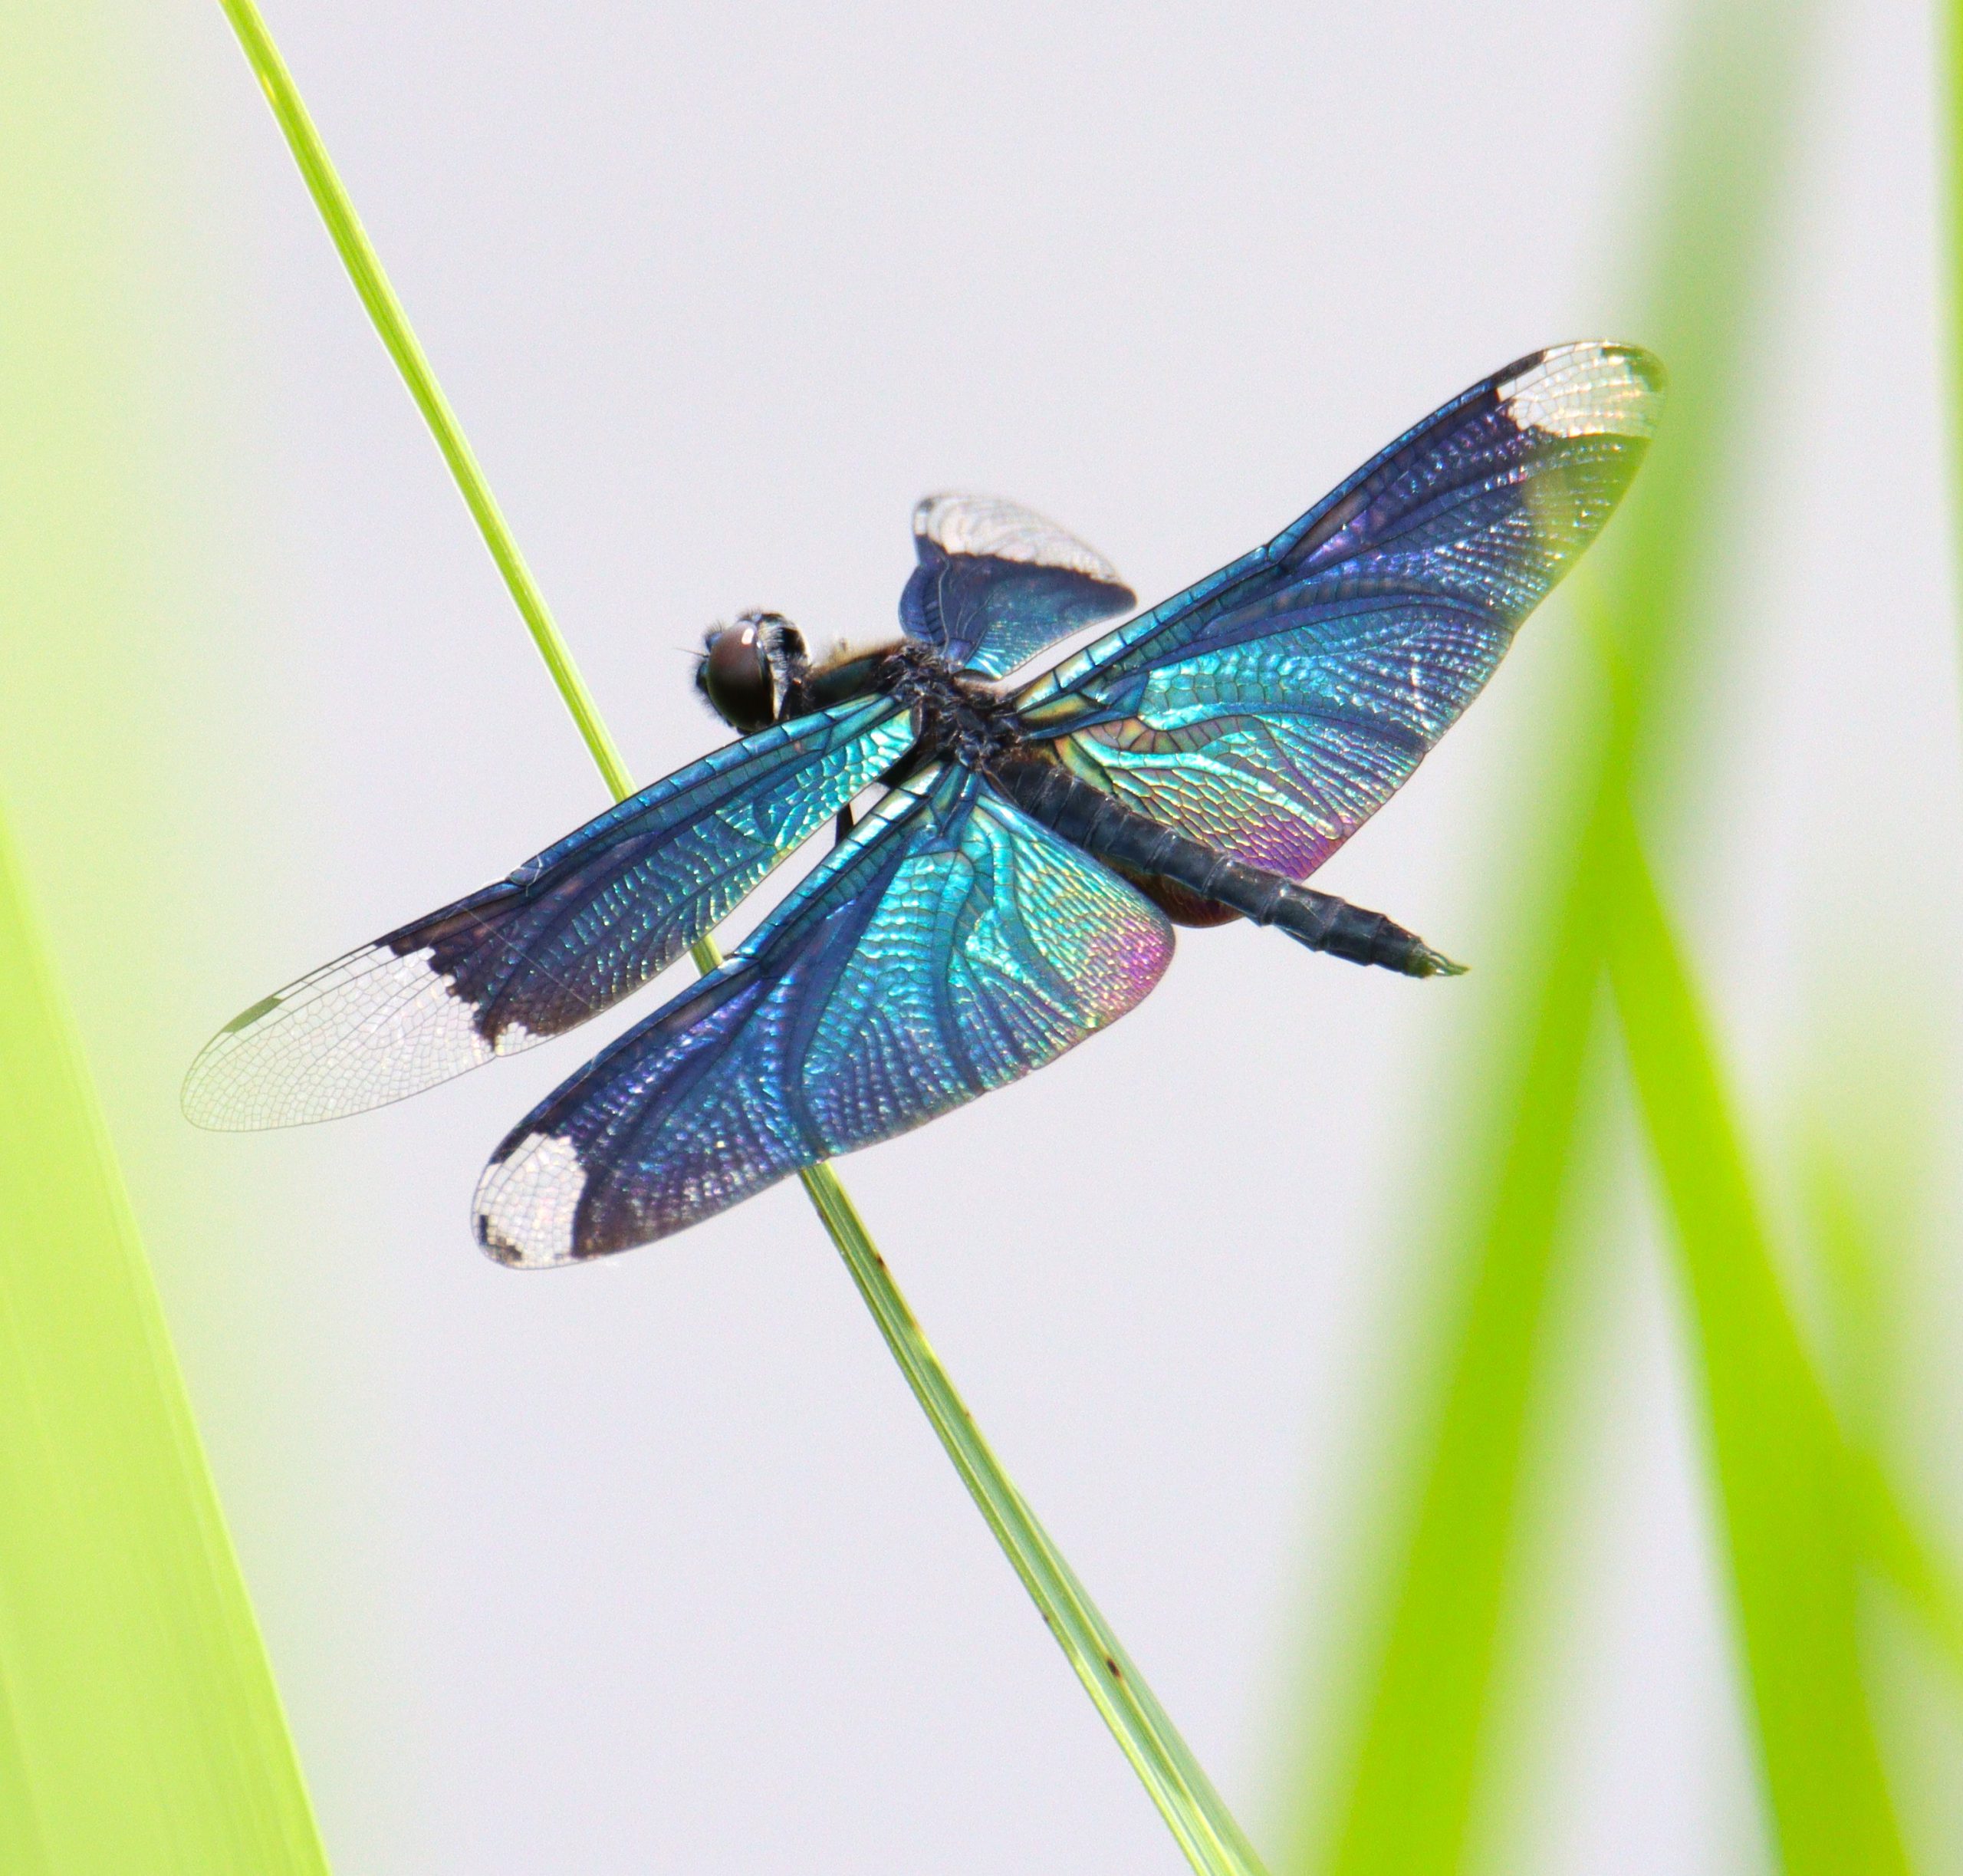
[
  {"x": 365, "y": 1030},
  {"x": 987, "y": 525}
]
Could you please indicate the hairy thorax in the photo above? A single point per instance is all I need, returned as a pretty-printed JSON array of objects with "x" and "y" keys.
[{"x": 959, "y": 717}]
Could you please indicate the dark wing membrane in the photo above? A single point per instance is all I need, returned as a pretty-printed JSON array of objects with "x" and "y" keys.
[
  {"x": 1274, "y": 707},
  {"x": 566, "y": 935},
  {"x": 997, "y": 582},
  {"x": 950, "y": 945}
]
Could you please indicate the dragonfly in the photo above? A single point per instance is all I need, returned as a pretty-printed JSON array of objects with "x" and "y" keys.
[{"x": 1030, "y": 845}]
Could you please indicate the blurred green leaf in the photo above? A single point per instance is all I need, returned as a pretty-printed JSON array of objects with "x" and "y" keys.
[
  {"x": 140, "y": 1729},
  {"x": 1791, "y": 1527},
  {"x": 1900, "y": 1550},
  {"x": 141, "y": 1732},
  {"x": 1860, "y": 1239},
  {"x": 1410, "y": 1767},
  {"x": 1421, "y": 1743}
]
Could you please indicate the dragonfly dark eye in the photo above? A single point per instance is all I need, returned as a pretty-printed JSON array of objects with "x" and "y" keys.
[{"x": 735, "y": 677}]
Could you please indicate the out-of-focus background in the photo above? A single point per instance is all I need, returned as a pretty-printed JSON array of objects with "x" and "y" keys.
[{"x": 654, "y": 1565}]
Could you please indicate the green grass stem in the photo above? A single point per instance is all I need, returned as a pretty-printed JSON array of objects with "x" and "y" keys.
[
  {"x": 1205, "y": 1830},
  {"x": 139, "y": 1726},
  {"x": 1213, "y": 1843},
  {"x": 391, "y": 324}
]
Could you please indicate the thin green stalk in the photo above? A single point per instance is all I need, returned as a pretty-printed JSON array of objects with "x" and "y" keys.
[
  {"x": 1199, "y": 1818},
  {"x": 1213, "y": 1842},
  {"x": 391, "y": 324}
]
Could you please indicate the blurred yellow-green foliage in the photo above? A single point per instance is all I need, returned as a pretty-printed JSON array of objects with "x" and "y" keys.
[
  {"x": 140, "y": 1727},
  {"x": 1781, "y": 1483}
]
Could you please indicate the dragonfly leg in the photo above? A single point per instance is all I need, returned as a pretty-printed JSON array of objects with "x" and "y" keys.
[{"x": 1090, "y": 819}]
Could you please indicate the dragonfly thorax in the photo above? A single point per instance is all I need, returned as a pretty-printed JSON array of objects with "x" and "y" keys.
[{"x": 959, "y": 717}]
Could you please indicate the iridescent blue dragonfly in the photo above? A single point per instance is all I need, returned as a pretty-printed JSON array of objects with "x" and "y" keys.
[{"x": 1014, "y": 886}]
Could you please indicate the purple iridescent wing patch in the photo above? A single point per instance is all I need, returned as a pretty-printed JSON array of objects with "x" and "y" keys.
[{"x": 1273, "y": 708}]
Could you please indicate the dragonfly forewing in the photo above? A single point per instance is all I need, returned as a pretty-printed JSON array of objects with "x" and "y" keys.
[{"x": 563, "y": 937}]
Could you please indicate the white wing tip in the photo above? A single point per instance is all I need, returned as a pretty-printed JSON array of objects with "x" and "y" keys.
[
  {"x": 1591, "y": 389},
  {"x": 959, "y": 523},
  {"x": 527, "y": 1202}
]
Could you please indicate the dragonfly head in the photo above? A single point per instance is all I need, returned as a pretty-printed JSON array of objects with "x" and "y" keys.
[{"x": 749, "y": 668}]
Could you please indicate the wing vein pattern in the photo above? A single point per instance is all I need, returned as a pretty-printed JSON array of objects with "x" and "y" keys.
[
  {"x": 950, "y": 946},
  {"x": 1271, "y": 708},
  {"x": 561, "y": 938},
  {"x": 996, "y": 583}
]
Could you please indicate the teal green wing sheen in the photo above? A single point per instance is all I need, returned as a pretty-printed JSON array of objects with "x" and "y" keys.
[
  {"x": 950, "y": 945},
  {"x": 560, "y": 938},
  {"x": 996, "y": 583}
]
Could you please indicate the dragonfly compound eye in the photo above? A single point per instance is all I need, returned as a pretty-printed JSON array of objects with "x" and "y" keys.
[{"x": 736, "y": 678}]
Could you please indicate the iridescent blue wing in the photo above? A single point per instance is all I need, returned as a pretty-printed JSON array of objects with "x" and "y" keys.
[
  {"x": 996, "y": 583},
  {"x": 569, "y": 932},
  {"x": 950, "y": 945},
  {"x": 1274, "y": 707}
]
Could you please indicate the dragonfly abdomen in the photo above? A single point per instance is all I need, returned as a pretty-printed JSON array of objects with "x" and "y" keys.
[{"x": 1088, "y": 817}]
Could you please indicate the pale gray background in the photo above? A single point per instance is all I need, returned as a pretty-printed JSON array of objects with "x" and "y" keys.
[{"x": 655, "y": 1566}]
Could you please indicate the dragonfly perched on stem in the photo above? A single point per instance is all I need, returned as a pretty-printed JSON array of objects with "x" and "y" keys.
[{"x": 1014, "y": 887}]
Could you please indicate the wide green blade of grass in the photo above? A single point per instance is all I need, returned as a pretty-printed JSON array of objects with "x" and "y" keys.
[{"x": 140, "y": 1729}]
